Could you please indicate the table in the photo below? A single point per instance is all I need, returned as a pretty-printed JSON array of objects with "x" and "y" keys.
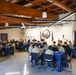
[
  {"x": 59, "y": 57},
  {"x": 73, "y": 50},
  {"x": 8, "y": 50}
]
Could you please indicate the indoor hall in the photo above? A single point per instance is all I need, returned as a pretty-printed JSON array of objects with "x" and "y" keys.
[{"x": 37, "y": 36}]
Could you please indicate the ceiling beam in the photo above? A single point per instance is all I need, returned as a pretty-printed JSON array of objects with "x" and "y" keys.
[
  {"x": 47, "y": 6},
  {"x": 6, "y": 7},
  {"x": 12, "y": 20},
  {"x": 1, "y": 26},
  {"x": 59, "y": 4},
  {"x": 50, "y": 8},
  {"x": 7, "y": 27},
  {"x": 36, "y": 1}
]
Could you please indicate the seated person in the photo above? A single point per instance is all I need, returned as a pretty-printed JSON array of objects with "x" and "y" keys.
[
  {"x": 45, "y": 46},
  {"x": 38, "y": 42},
  {"x": 54, "y": 44},
  {"x": 61, "y": 43},
  {"x": 70, "y": 44},
  {"x": 49, "y": 50},
  {"x": 30, "y": 47},
  {"x": 60, "y": 48},
  {"x": 41, "y": 45},
  {"x": 1, "y": 49},
  {"x": 35, "y": 48},
  {"x": 68, "y": 52}
]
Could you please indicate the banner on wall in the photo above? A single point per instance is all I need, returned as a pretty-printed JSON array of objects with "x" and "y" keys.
[{"x": 52, "y": 37}]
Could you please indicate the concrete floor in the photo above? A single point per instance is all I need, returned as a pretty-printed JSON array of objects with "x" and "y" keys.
[{"x": 18, "y": 64}]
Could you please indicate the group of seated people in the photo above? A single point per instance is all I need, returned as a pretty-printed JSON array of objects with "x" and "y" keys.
[
  {"x": 6, "y": 43},
  {"x": 51, "y": 49},
  {"x": 17, "y": 44}
]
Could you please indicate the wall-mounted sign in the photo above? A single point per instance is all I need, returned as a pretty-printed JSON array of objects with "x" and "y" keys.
[{"x": 46, "y": 33}]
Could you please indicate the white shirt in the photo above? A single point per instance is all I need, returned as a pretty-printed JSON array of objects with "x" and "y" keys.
[
  {"x": 63, "y": 40},
  {"x": 35, "y": 50},
  {"x": 45, "y": 47},
  {"x": 30, "y": 48},
  {"x": 61, "y": 49},
  {"x": 48, "y": 51}
]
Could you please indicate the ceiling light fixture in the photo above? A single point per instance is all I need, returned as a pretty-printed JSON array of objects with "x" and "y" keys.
[
  {"x": 44, "y": 14},
  {"x": 6, "y": 24}
]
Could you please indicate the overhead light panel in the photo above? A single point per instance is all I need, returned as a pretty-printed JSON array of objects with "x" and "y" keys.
[{"x": 44, "y": 14}]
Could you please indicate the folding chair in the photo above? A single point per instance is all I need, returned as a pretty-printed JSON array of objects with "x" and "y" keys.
[
  {"x": 34, "y": 59},
  {"x": 11, "y": 51},
  {"x": 49, "y": 60}
]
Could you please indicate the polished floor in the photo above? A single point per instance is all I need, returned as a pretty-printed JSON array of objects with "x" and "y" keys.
[{"x": 18, "y": 64}]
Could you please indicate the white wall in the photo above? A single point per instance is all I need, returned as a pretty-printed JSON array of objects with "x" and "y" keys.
[
  {"x": 58, "y": 31},
  {"x": 14, "y": 33},
  {"x": 67, "y": 30},
  {"x": 74, "y": 24}
]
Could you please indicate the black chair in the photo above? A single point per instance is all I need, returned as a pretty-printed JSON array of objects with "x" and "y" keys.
[
  {"x": 65, "y": 60},
  {"x": 11, "y": 51},
  {"x": 49, "y": 59},
  {"x": 34, "y": 59},
  {"x": 17, "y": 46}
]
